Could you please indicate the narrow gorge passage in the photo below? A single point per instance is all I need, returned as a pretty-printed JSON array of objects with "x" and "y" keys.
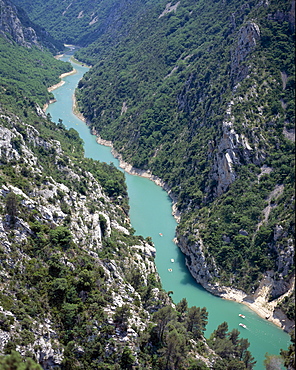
[{"x": 150, "y": 213}]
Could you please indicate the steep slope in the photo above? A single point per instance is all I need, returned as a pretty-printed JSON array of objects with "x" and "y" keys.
[
  {"x": 201, "y": 95},
  {"x": 23, "y": 66},
  {"x": 15, "y": 25},
  {"x": 59, "y": 271},
  {"x": 77, "y": 288},
  {"x": 29, "y": 70},
  {"x": 84, "y": 21}
]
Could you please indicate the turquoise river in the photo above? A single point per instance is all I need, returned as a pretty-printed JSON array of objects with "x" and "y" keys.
[{"x": 151, "y": 214}]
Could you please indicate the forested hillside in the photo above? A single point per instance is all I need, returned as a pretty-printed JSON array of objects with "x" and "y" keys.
[
  {"x": 201, "y": 94},
  {"x": 29, "y": 71},
  {"x": 24, "y": 68},
  {"x": 84, "y": 21},
  {"x": 16, "y": 25},
  {"x": 77, "y": 288},
  {"x": 197, "y": 93}
]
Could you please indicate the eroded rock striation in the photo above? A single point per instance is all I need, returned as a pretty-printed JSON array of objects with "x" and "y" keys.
[{"x": 10, "y": 24}]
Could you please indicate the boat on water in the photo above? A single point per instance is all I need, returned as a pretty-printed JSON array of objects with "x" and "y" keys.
[
  {"x": 160, "y": 234},
  {"x": 170, "y": 270},
  {"x": 242, "y": 316},
  {"x": 172, "y": 260},
  {"x": 243, "y": 325}
]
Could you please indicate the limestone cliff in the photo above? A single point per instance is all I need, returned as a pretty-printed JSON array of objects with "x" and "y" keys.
[
  {"x": 11, "y": 25},
  {"x": 91, "y": 217},
  {"x": 264, "y": 300},
  {"x": 15, "y": 25},
  {"x": 240, "y": 143}
]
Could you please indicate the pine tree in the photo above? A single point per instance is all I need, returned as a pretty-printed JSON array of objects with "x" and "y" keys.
[
  {"x": 11, "y": 206},
  {"x": 14, "y": 361}
]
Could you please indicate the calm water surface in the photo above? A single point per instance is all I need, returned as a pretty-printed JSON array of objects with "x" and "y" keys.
[{"x": 150, "y": 213}]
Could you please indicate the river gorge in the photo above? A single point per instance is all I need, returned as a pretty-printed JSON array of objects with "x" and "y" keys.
[{"x": 151, "y": 215}]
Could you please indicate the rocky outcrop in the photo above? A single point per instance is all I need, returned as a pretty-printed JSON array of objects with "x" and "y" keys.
[
  {"x": 44, "y": 346},
  {"x": 53, "y": 203},
  {"x": 10, "y": 24},
  {"x": 232, "y": 149},
  {"x": 169, "y": 8},
  {"x": 203, "y": 269},
  {"x": 15, "y": 25},
  {"x": 205, "y": 272},
  {"x": 248, "y": 36}
]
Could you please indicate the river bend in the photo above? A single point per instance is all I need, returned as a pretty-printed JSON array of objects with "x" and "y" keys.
[{"x": 150, "y": 214}]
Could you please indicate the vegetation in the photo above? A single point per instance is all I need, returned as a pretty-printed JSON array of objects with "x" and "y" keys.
[
  {"x": 29, "y": 71},
  {"x": 14, "y": 361},
  {"x": 82, "y": 22},
  {"x": 289, "y": 355},
  {"x": 159, "y": 93},
  {"x": 54, "y": 280},
  {"x": 164, "y": 100}
]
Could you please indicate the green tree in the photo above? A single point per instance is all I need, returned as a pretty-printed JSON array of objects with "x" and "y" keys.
[
  {"x": 127, "y": 359},
  {"x": 162, "y": 318},
  {"x": 182, "y": 307},
  {"x": 175, "y": 349},
  {"x": 194, "y": 364},
  {"x": 221, "y": 331},
  {"x": 69, "y": 314},
  {"x": 14, "y": 361},
  {"x": 233, "y": 351},
  {"x": 58, "y": 290},
  {"x": 12, "y": 206},
  {"x": 197, "y": 319},
  {"x": 122, "y": 314},
  {"x": 233, "y": 336},
  {"x": 245, "y": 355},
  {"x": 103, "y": 225},
  {"x": 86, "y": 280},
  {"x": 61, "y": 237},
  {"x": 289, "y": 354}
]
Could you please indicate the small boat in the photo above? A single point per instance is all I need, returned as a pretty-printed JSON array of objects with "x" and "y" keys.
[
  {"x": 172, "y": 260},
  {"x": 160, "y": 234},
  {"x": 170, "y": 270},
  {"x": 242, "y": 316},
  {"x": 243, "y": 325}
]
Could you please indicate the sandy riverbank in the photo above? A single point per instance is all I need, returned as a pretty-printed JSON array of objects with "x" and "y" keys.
[
  {"x": 53, "y": 87},
  {"x": 258, "y": 302},
  {"x": 76, "y": 111},
  {"x": 61, "y": 83}
]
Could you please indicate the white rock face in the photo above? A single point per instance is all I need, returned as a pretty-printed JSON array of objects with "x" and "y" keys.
[
  {"x": 248, "y": 36},
  {"x": 90, "y": 217},
  {"x": 203, "y": 270},
  {"x": 228, "y": 153},
  {"x": 169, "y": 8},
  {"x": 6, "y": 148},
  {"x": 11, "y": 24}
]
